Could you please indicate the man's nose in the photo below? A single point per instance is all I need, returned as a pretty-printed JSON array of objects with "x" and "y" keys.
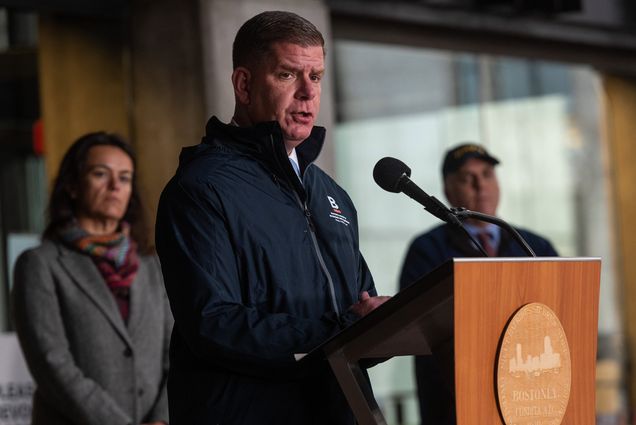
[
  {"x": 478, "y": 183},
  {"x": 307, "y": 89}
]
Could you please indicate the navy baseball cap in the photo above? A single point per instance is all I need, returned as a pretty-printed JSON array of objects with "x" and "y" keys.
[{"x": 457, "y": 156}]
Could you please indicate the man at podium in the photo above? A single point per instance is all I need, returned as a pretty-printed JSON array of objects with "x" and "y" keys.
[
  {"x": 259, "y": 247},
  {"x": 470, "y": 181}
]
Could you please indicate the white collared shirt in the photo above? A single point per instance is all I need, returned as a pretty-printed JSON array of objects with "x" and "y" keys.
[{"x": 293, "y": 157}]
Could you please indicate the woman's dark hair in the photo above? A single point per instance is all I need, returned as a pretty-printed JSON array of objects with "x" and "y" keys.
[{"x": 62, "y": 206}]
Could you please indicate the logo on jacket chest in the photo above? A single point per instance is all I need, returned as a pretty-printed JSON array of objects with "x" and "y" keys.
[{"x": 336, "y": 212}]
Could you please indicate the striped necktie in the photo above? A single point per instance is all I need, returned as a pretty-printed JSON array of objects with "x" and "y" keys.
[{"x": 485, "y": 238}]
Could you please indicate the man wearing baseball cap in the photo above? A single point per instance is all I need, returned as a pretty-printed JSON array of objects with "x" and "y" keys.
[{"x": 470, "y": 181}]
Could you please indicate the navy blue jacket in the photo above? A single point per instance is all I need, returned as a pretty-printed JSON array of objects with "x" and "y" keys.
[
  {"x": 427, "y": 252},
  {"x": 257, "y": 267}
]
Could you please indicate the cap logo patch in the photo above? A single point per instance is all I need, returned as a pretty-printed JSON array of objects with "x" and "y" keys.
[{"x": 468, "y": 149}]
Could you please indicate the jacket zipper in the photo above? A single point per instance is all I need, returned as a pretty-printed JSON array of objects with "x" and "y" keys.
[
  {"x": 312, "y": 233},
  {"x": 321, "y": 260}
]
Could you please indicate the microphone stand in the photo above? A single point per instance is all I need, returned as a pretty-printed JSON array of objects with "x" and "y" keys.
[
  {"x": 463, "y": 214},
  {"x": 453, "y": 216},
  {"x": 441, "y": 211}
]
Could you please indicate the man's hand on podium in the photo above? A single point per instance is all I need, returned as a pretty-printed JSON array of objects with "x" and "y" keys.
[{"x": 367, "y": 303}]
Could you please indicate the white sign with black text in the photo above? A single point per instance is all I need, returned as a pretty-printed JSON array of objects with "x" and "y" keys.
[{"x": 16, "y": 384}]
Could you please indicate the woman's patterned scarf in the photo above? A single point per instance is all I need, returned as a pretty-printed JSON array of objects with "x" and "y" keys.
[{"x": 115, "y": 256}]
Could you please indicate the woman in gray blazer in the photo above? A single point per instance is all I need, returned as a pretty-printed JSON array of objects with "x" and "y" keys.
[{"x": 89, "y": 304}]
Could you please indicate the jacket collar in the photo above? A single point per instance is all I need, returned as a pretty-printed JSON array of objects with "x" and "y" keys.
[{"x": 265, "y": 140}]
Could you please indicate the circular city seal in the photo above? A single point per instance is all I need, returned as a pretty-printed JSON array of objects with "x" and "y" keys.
[{"x": 534, "y": 369}]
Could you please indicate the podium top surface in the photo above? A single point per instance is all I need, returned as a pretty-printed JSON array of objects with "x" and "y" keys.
[
  {"x": 428, "y": 292},
  {"x": 521, "y": 259}
]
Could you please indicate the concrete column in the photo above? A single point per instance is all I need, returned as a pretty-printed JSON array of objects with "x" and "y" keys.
[
  {"x": 221, "y": 19},
  {"x": 166, "y": 90}
]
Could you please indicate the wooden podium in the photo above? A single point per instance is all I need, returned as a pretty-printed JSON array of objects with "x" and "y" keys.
[{"x": 460, "y": 311}]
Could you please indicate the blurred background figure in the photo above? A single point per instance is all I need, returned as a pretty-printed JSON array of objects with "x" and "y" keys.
[
  {"x": 89, "y": 304},
  {"x": 470, "y": 181}
]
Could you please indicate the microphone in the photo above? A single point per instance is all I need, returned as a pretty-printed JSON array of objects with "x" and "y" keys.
[{"x": 393, "y": 175}]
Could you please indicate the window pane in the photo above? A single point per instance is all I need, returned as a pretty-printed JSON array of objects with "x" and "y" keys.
[{"x": 540, "y": 119}]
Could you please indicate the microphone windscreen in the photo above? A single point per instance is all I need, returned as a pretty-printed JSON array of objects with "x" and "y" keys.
[{"x": 388, "y": 172}]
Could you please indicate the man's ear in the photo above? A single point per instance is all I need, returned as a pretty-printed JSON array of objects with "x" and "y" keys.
[{"x": 241, "y": 82}]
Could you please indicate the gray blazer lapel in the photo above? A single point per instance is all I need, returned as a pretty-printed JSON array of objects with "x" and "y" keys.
[{"x": 85, "y": 274}]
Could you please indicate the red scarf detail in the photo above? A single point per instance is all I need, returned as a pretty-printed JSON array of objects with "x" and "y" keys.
[
  {"x": 115, "y": 256},
  {"x": 119, "y": 280}
]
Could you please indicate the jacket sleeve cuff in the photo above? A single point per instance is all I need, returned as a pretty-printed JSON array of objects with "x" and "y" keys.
[{"x": 348, "y": 318}]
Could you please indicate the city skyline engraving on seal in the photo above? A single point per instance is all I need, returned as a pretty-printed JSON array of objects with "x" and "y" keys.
[{"x": 533, "y": 368}]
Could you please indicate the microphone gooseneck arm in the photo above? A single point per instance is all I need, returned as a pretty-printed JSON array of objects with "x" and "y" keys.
[
  {"x": 435, "y": 207},
  {"x": 463, "y": 214}
]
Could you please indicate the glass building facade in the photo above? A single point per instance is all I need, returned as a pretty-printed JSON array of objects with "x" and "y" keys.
[{"x": 543, "y": 121}]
